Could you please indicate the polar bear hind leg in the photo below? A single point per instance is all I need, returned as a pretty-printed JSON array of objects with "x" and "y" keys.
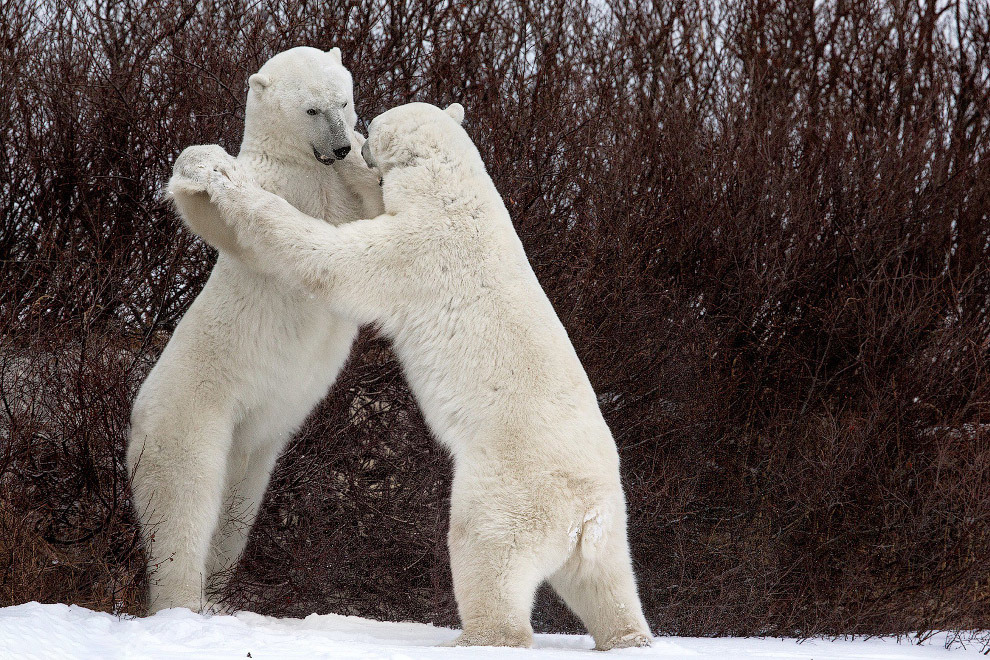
[
  {"x": 248, "y": 473},
  {"x": 598, "y": 585},
  {"x": 494, "y": 584},
  {"x": 177, "y": 491}
]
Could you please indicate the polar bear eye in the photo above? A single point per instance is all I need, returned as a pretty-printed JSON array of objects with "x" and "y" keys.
[
  {"x": 311, "y": 111},
  {"x": 344, "y": 104}
]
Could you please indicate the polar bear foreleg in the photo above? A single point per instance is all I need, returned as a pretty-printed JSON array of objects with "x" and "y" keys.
[
  {"x": 360, "y": 266},
  {"x": 201, "y": 215}
]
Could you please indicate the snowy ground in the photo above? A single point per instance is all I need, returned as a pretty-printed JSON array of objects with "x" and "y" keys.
[{"x": 66, "y": 631}]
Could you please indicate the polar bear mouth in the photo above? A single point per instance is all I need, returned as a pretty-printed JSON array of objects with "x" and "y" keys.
[{"x": 326, "y": 160}]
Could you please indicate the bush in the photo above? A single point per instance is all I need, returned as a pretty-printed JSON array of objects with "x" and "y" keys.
[{"x": 764, "y": 225}]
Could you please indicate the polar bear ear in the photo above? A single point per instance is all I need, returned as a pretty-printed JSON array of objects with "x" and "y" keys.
[
  {"x": 335, "y": 54},
  {"x": 456, "y": 112},
  {"x": 259, "y": 81}
]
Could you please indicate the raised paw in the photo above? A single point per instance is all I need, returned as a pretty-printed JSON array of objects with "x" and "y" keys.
[{"x": 202, "y": 168}]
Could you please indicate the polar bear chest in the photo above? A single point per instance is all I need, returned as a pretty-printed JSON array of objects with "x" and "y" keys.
[{"x": 317, "y": 190}]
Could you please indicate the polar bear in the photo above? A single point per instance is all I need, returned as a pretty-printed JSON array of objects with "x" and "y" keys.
[
  {"x": 536, "y": 492},
  {"x": 254, "y": 353}
]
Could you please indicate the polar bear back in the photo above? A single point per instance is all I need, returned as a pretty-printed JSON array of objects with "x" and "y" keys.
[{"x": 485, "y": 353}]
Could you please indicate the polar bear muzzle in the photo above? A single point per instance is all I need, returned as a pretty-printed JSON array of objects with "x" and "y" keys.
[
  {"x": 332, "y": 142},
  {"x": 338, "y": 154}
]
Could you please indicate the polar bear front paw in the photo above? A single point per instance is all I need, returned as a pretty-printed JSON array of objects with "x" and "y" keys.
[{"x": 200, "y": 168}]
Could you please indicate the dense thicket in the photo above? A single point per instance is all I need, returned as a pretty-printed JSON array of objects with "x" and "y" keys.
[{"x": 764, "y": 224}]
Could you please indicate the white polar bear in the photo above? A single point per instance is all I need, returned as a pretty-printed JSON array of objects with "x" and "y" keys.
[
  {"x": 536, "y": 493},
  {"x": 255, "y": 353}
]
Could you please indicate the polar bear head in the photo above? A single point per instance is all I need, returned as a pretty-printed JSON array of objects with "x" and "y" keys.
[
  {"x": 301, "y": 103},
  {"x": 419, "y": 132}
]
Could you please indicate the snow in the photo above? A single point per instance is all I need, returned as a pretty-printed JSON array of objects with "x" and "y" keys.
[{"x": 62, "y": 632}]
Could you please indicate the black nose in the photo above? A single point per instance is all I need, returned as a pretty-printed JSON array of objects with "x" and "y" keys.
[{"x": 343, "y": 151}]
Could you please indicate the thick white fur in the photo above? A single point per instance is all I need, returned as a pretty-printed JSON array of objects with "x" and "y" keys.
[
  {"x": 255, "y": 352},
  {"x": 536, "y": 492}
]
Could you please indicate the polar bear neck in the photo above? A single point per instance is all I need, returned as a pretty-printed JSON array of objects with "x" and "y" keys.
[{"x": 443, "y": 186}]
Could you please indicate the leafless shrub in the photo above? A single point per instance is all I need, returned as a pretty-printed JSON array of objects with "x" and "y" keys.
[{"x": 765, "y": 226}]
